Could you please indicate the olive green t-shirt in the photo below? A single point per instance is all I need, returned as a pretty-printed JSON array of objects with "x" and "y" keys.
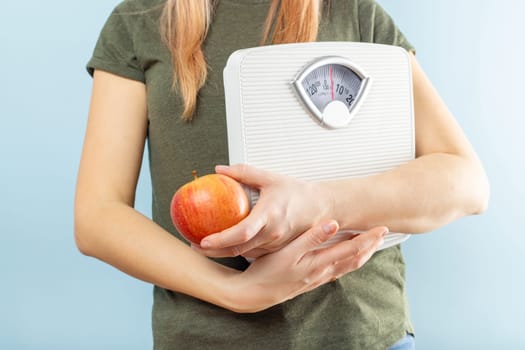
[{"x": 366, "y": 309}]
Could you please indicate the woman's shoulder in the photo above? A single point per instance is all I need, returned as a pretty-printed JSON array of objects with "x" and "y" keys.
[
  {"x": 136, "y": 15},
  {"x": 127, "y": 37}
]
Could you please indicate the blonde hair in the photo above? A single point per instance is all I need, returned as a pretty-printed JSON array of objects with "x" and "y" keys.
[{"x": 185, "y": 24}]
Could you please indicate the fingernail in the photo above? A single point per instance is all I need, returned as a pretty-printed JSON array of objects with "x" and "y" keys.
[
  {"x": 221, "y": 167},
  {"x": 205, "y": 244},
  {"x": 328, "y": 228},
  {"x": 384, "y": 233}
]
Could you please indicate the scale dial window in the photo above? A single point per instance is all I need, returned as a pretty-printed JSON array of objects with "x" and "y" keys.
[{"x": 331, "y": 88}]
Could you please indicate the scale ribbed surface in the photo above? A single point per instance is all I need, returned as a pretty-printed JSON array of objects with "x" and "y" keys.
[{"x": 278, "y": 133}]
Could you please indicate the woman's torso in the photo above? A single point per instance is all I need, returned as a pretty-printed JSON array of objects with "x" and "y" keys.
[{"x": 366, "y": 309}]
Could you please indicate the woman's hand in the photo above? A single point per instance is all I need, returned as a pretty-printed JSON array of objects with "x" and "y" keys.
[
  {"x": 286, "y": 208},
  {"x": 300, "y": 267}
]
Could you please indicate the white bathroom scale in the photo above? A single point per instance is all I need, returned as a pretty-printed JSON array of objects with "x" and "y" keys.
[{"x": 321, "y": 111}]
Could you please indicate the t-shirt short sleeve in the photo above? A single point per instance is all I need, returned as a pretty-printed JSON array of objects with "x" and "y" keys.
[
  {"x": 114, "y": 51},
  {"x": 376, "y": 26}
]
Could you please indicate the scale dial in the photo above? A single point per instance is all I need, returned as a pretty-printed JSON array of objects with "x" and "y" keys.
[{"x": 332, "y": 89}]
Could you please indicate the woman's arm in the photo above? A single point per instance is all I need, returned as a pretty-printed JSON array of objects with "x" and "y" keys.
[
  {"x": 106, "y": 225},
  {"x": 446, "y": 181},
  {"x": 108, "y": 228}
]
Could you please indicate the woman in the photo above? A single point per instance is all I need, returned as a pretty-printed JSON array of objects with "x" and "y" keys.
[{"x": 157, "y": 75}]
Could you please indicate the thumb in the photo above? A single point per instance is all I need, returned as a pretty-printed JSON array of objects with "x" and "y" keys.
[
  {"x": 246, "y": 174},
  {"x": 312, "y": 238}
]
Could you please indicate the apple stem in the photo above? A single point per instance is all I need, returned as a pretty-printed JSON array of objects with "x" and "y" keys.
[{"x": 194, "y": 173}]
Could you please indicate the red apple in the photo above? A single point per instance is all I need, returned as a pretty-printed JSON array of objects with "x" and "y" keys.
[{"x": 208, "y": 204}]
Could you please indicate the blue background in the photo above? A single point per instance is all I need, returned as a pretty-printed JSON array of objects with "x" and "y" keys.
[{"x": 465, "y": 281}]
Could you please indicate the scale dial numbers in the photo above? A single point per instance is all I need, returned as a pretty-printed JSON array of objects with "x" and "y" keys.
[
  {"x": 331, "y": 89},
  {"x": 332, "y": 82}
]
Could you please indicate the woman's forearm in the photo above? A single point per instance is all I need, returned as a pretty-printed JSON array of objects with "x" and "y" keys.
[
  {"x": 117, "y": 234},
  {"x": 122, "y": 237},
  {"x": 417, "y": 197}
]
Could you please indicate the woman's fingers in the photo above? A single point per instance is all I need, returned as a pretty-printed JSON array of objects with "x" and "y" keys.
[
  {"x": 217, "y": 244},
  {"x": 324, "y": 265},
  {"x": 312, "y": 238},
  {"x": 246, "y": 174},
  {"x": 357, "y": 246},
  {"x": 301, "y": 265},
  {"x": 359, "y": 259},
  {"x": 256, "y": 253},
  {"x": 235, "y": 250},
  {"x": 236, "y": 235},
  {"x": 335, "y": 261},
  {"x": 283, "y": 211}
]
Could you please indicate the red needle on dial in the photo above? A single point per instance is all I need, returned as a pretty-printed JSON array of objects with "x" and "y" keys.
[{"x": 331, "y": 82}]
